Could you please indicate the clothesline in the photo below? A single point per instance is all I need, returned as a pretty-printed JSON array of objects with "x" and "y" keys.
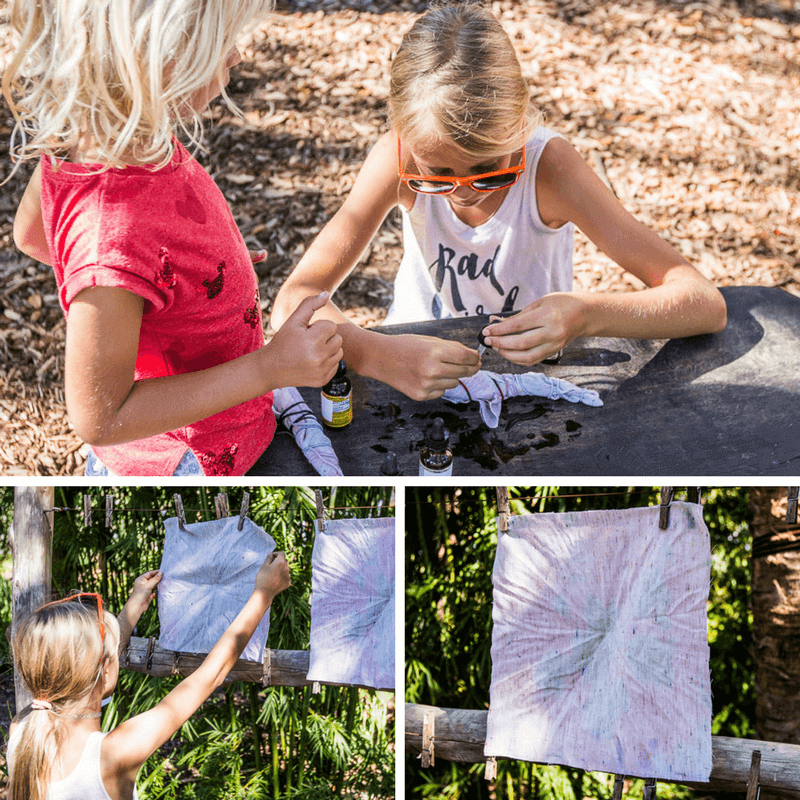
[
  {"x": 117, "y": 509},
  {"x": 540, "y": 498}
]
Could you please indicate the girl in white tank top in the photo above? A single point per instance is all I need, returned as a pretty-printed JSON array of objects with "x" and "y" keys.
[
  {"x": 67, "y": 655},
  {"x": 489, "y": 202}
]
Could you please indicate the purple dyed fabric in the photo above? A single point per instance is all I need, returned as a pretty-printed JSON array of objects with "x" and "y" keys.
[
  {"x": 352, "y": 603},
  {"x": 209, "y": 574},
  {"x": 600, "y": 643}
]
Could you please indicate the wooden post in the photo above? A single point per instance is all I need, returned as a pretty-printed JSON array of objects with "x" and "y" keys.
[
  {"x": 280, "y": 668},
  {"x": 32, "y": 548},
  {"x": 461, "y": 733}
]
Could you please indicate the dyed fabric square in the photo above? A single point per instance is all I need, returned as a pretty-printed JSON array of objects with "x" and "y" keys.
[
  {"x": 209, "y": 574},
  {"x": 600, "y": 643},
  {"x": 352, "y": 603}
]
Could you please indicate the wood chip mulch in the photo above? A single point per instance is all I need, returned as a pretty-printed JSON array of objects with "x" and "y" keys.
[{"x": 690, "y": 111}]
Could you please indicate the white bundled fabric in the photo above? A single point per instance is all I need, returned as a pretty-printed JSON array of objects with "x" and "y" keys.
[
  {"x": 352, "y": 603},
  {"x": 209, "y": 574},
  {"x": 290, "y": 408},
  {"x": 491, "y": 388},
  {"x": 600, "y": 643}
]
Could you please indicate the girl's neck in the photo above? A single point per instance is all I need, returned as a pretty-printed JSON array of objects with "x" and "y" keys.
[{"x": 87, "y": 152}]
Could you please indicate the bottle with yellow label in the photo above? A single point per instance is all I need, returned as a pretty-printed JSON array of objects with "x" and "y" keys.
[{"x": 337, "y": 396}]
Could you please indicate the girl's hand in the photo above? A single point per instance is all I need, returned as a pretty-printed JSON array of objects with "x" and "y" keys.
[
  {"x": 273, "y": 577},
  {"x": 424, "y": 367},
  {"x": 539, "y": 331},
  {"x": 144, "y": 590},
  {"x": 141, "y": 595},
  {"x": 303, "y": 353}
]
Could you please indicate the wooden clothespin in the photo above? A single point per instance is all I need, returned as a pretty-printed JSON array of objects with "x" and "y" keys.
[
  {"x": 502, "y": 508},
  {"x": 87, "y": 511},
  {"x": 754, "y": 781},
  {"x": 109, "y": 509},
  {"x": 266, "y": 671},
  {"x": 427, "y": 758},
  {"x": 693, "y": 494},
  {"x": 320, "y": 509},
  {"x": 490, "y": 773},
  {"x": 666, "y": 499},
  {"x": 151, "y": 646},
  {"x": 316, "y": 688},
  {"x": 649, "y": 792},
  {"x": 618, "y": 786},
  {"x": 791, "y": 505},
  {"x": 221, "y": 505},
  {"x": 179, "y": 512},
  {"x": 243, "y": 511}
]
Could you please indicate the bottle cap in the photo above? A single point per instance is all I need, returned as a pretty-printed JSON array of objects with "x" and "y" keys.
[
  {"x": 438, "y": 436},
  {"x": 389, "y": 466}
]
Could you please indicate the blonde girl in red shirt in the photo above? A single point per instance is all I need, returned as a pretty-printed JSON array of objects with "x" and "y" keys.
[{"x": 165, "y": 356}]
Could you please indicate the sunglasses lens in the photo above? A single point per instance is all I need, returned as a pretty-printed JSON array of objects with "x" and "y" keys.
[
  {"x": 494, "y": 182},
  {"x": 430, "y": 187}
]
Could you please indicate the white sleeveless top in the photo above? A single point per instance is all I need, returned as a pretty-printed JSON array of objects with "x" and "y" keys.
[
  {"x": 85, "y": 781},
  {"x": 450, "y": 269}
]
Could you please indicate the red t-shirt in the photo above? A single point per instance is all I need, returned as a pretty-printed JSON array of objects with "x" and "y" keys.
[{"x": 168, "y": 236}]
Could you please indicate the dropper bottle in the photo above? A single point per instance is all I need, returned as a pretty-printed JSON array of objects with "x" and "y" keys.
[
  {"x": 435, "y": 456},
  {"x": 336, "y": 399}
]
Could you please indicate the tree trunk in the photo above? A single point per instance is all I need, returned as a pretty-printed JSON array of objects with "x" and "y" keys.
[
  {"x": 776, "y": 621},
  {"x": 32, "y": 543}
]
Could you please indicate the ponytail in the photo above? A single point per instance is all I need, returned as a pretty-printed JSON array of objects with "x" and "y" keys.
[{"x": 59, "y": 656}]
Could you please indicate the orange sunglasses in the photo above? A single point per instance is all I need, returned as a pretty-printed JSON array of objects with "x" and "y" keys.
[
  {"x": 441, "y": 184},
  {"x": 100, "y": 619}
]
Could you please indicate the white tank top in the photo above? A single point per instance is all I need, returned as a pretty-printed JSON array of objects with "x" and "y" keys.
[
  {"x": 450, "y": 269},
  {"x": 85, "y": 781}
]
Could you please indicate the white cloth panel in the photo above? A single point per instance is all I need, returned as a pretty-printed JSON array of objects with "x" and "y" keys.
[
  {"x": 352, "y": 603},
  {"x": 600, "y": 643},
  {"x": 491, "y": 388},
  {"x": 290, "y": 408},
  {"x": 209, "y": 574}
]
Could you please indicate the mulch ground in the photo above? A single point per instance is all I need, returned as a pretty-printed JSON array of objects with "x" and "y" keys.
[{"x": 690, "y": 111}]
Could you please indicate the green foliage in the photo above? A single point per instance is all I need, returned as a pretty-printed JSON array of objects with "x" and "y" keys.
[
  {"x": 246, "y": 741},
  {"x": 451, "y": 538}
]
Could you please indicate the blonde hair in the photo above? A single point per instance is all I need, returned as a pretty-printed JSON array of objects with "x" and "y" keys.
[
  {"x": 58, "y": 655},
  {"x": 456, "y": 77},
  {"x": 122, "y": 72}
]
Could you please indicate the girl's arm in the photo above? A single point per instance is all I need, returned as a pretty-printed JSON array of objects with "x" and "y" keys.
[
  {"x": 421, "y": 367},
  {"x": 129, "y": 745},
  {"x": 29, "y": 233},
  {"x": 144, "y": 590},
  {"x": 679, "y": 301},
  {"x": 107, "y": 406}
]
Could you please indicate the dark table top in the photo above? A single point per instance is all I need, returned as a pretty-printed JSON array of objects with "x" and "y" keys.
[{"x": 720, "y": 404}]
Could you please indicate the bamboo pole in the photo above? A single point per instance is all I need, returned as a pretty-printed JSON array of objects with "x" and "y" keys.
[
  {"x": 287, "y": 667},
  {"x": 32, "y": 548},
  {"x": 459, "y": 735}
]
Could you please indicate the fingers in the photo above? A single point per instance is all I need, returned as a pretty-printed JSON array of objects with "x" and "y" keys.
[
  {"x": 303, "y": 313},
  {"x": 257, "y": 256}
]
